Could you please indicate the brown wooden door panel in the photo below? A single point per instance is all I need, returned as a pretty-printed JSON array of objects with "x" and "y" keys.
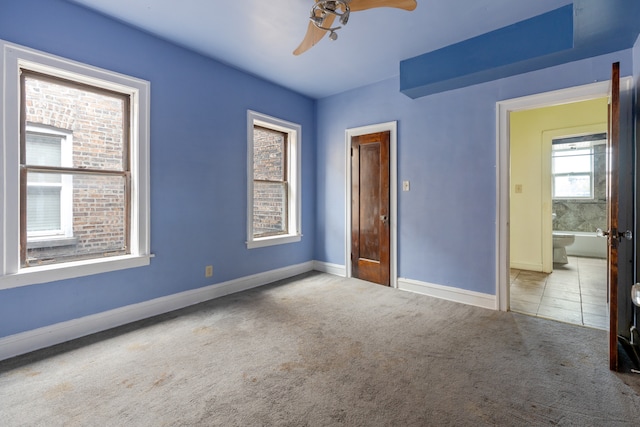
[
  {"x": 369, "y": 270},
  {"x": 369, "y": 200},
  {"x": 370, "y": 231},
  {"x": 612, "y": 213}
]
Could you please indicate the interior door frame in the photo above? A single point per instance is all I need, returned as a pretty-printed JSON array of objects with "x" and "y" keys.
[
  {"x": 392, "y": 128},
  {"x": 503, "y": 108}
]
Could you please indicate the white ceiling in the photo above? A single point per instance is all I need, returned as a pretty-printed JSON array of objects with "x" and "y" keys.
[{"x": 259, "y": 36}]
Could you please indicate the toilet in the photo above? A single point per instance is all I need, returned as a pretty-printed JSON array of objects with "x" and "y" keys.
[{"x": 560, "y": 243}]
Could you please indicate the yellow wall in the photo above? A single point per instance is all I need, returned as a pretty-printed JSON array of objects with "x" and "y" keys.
[{"x": 531, "y": 133}]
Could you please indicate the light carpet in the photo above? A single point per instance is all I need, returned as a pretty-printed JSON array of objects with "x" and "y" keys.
[{"x": 320, "y": 350}]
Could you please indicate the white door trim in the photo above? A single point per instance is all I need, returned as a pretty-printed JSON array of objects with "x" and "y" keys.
[
  {"x": 503, "y": 108},
  {"x": 392, "y": 127}
]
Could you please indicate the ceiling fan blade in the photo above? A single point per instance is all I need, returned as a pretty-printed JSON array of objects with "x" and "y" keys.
[
  {"x": 314, "y": 35},
  {"x": 356, "y": 5}
]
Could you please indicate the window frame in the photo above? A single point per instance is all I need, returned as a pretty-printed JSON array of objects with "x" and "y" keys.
[
  {"x": 293, "y": 179},
  {"x": 15, "y": 57}
]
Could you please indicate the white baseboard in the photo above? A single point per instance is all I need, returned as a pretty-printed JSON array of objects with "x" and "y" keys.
[
  {"x": 449, "y": 293},
  {"x": 335, "y": 269},
  {"x": 47, "y": 336}
]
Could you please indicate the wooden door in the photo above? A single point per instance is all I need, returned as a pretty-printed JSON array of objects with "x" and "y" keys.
[
  {"x": 370, "y": 230},
  {"x": 613, "y": 235}
]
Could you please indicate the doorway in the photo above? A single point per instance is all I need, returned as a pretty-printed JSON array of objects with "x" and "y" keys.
[
  {"x": 624, "y": 267},
  {"x": 557, "y": 201},
  {"x": 503, "y": 111},
  {"x": 383, "y": 219}
]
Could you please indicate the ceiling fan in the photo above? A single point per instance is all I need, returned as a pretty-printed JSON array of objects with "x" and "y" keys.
[{"x": 325, "y": 12}]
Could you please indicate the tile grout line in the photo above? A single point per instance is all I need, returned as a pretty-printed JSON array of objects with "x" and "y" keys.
[
  {"x": 580, "y": 289},
  {"x": 544, "y": 289}
]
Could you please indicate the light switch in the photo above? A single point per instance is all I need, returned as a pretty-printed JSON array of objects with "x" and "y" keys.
[
  {"x": 518, "y": 188},
  {"x": 405, "y": 185}
]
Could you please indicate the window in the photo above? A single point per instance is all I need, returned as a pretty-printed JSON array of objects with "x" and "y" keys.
[
  {"x": 572, "y": 165},
  {"x": 273, "y": 196},
  {"x": 49, "y": 197},
  {"x": 76, "y": 174},
  {"x": 94, "y": 177},
  {"x": 270, "y": 186},
  {"x": 572, "y": 174}
]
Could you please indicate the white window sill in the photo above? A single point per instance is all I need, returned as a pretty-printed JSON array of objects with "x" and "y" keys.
[
  {"x": 51, "y": 242},
  {"x": 273, "y": 240},
  {"x": 69, "y": 270}
]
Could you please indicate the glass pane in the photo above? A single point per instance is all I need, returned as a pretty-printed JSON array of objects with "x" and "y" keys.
[
  {"x": 93, "y": 220},
  {"x": 269, "y": 154},
  {"x": 44, "y": 150},
  {"x": 97, "y": 121},
  {"x": 43, "y": 209},
  {"x": 572, "y": 161},
  {"x": 572, "y": 186},
  {"x": 269, "y": 209}
]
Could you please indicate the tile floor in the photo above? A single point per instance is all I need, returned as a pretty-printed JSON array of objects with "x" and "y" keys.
[{"x": 574, "y": 293}]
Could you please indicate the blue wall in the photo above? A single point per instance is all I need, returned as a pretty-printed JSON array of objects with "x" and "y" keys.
[
  {"x": 198, "y": 164},
  {"x": 447, "y": 150}
]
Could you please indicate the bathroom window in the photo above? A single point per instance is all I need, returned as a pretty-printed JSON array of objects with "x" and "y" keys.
[
  {"x": 573, "y": 174},
  {"x": 572, "y": 166}
]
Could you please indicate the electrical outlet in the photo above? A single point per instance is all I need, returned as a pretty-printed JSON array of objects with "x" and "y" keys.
[{"x": 208, "y": 271}]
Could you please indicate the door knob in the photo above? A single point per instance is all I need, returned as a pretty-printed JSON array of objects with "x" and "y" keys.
[
  {"x": 384, "y": 218},
  {"x": 628, "y": 235}
]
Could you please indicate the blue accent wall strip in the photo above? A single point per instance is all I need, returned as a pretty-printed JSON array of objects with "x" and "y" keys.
[{"x": 577, "y": 31}]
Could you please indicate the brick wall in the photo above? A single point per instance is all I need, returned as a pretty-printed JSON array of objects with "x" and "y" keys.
[{"x": 96, "y": 123}]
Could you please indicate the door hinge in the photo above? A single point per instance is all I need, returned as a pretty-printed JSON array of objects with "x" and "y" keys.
[{"x": 351, "y": 151}]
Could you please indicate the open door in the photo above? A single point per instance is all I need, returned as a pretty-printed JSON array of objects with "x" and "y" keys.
[
  {"x": 613, "y": 200},
  {"x": 370, "y": 208}
]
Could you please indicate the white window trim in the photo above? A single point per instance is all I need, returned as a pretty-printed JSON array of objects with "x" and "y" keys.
[
  {"x": 294, "y": 132},
  {"x": 12, "y": 58},
  {"x": 66, "y": 186}
]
